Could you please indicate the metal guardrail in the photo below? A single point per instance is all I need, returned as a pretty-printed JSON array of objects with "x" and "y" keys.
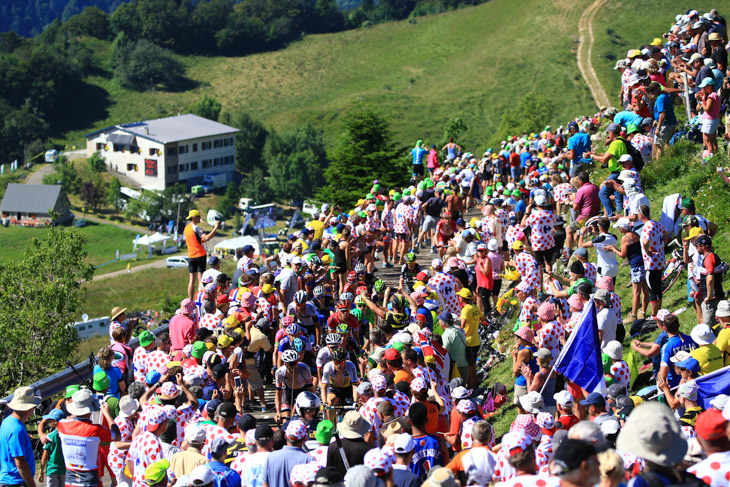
[{"x": 57, "y": 383}]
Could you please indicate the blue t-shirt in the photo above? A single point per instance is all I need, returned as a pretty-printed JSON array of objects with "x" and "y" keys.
[
  {"x": 524, "y": 157},
  {"x": 14, "y": 443},
  {"x": 224, "y": 476},
  {"x": 418, "y": 153},
  {"x": 521, "y": 206},
  {"x": 664, "y": 104},
  {"x": 115, "y": 375},
  {"x": 660, "y": 340},
  {"x": 674, "y": 345},
  {"x": 426, "y": 456},
  {"x": 580, "y": 143},
  {"x": 626, "y": 118}
]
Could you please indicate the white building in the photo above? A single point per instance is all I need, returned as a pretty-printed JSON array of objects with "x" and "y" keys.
[{"x": 162, "y": 152}]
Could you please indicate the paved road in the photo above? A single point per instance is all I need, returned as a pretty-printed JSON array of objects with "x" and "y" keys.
[
  {"x": 37, "y": 177},
  {"x": 585, "y": 28}
]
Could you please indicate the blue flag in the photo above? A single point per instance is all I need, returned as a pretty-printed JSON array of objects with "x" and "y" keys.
[
  {"x": 713, "y": 384},
  {"x": 580, "y": 360}
]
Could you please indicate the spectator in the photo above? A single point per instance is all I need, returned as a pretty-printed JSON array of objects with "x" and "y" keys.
[
  {"x": 17, "y": 463},
  {"x": 279, "y": 464},
  {"x": 710, "y": 280},
  {"x": 665, "y": 122},
  {"x": 195, "y": 238}
]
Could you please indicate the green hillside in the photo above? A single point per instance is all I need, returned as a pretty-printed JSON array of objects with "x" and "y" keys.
[
  {"x": 622, "y": 25},
  {"x": 476, "y": 62}
]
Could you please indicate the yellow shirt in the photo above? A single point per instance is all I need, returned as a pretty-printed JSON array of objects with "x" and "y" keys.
[
  {"x": 304, "y": 244},
  {"x": 710, "y": 358},
  {"x": 474, "y": 317},
  {"x": 723, "y": 340},
  {"x": 318, "y": 229}
]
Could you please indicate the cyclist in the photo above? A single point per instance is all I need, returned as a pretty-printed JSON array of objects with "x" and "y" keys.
[
  {"x": 306, "y": 410},
  {"x": 339, "y": 381},
  {"x": 396, "y": 318},
  {"x": 305, "y": 313},
  {"x": 293, "y": 332},
  {"x": 290, "y": 380},
  {"x": 343, "y": 316},
  {"x": 409, "y": 270},
  {"x": 332, "y": 341}
]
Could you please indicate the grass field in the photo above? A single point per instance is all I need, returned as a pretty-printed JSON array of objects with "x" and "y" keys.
[
  {"x": 475, "y": 62},
  {"x": 622, "y": 25}
]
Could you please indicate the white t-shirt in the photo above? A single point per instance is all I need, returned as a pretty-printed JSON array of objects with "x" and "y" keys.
[
  {"x": 607, "y": 323},
  {"x": 607, "y": 264}
]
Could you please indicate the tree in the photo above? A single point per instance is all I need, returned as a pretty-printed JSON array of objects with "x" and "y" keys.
[
  {"x": 366, "y": 152},
  {"x": 208, "y": 18},
  {"x": 296, "y": 160},
  {"x": 329, "y": 16},
  {"x": 39, "y": 298},
  {"x": 256, "y": 187},
  {"x": 96, "y": 162},
  {"x": 144, "y": 66},
  {"x": 229, "y": 201},
  {"x": 532, "y": 113},
  {"x": 454, "y": 128},
  {"x": 250, "y": 141},
  {"x": 114, "y": 194},
  {"x": 92, "y": 194},
  {"x": 206, "y": 107},
  {"x": 67, "y": 176},
  {"x": 91, "y": 21}
]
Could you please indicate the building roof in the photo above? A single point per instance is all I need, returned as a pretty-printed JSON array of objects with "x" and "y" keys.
[
  {"x": 172, "y": 129},
  {"x": 30, "y": 198}
]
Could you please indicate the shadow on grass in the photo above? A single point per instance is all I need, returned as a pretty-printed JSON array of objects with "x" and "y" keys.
[{"x": 82, "y": 111}]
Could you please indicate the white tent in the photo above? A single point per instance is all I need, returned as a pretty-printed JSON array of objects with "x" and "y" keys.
[
  {"x": 152, "y": 240},
  {"x": 237, "y": 243}
]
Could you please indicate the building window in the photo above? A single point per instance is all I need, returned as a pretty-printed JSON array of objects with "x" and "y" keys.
[
  {"x": 172, "y": 151},
  {"x": 171, "y": 169},
  {"x": 153, "y": 151},
  {"x": 216, "y": 161},
  {"x": 133, "y": 149},
  {"x": 99, "y": 146},
  {"x": 205, "y": 145},
  {"x": 131, "y": 167},
  {"x": 117, "y": 148},
  {"x": 216, "y": 143},
  {"x": 195, "y": 147},
  {"x": 183, "y": 149},
  {"x": 206, "y": 163},
  {"x": 193, "y": 166},
  {"x": 184, "y": 167}
]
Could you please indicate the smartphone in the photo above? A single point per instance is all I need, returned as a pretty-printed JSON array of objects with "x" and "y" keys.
[{"x": 237, "y": 381}]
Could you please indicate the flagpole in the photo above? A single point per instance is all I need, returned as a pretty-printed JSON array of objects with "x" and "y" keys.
[{"x": 698, "y": 379}]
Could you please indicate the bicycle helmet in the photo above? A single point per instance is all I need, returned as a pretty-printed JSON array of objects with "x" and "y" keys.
[
  {"x": 342, "y": 305},
  {"x": 319, "y": 291},
  {"x": 297, "y": 344},
  {"x": 343, "y": 329},
  {"x": 292, "y": 329},
  {"x": 360, "y": 291},
  {"x": 300, "y": 297},
  {"x": 360, "y": 268},
  {"x": 397, "y": 301},
  {"x": 379, "y": 286},
  {"x": 338, "y": 354},
  {"x": 332, "y": 339},
  {"x": 410, "y": 257},
  {"x": 315, "y": 261},
  {"x": 307, "y": 400},
  {"x": 360, "y": 299},
  {"x": 287, "y": 320},
  {"x": 347, "y": 297},
  {"x": 352, "y": 277},
  {"x": 289, "y": 356}
]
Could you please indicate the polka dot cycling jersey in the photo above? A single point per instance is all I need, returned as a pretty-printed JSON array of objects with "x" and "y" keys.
[
  {"x": 542, "y": 236},
  {"x": 653, "y": 233},
  {"x": 714, "y": 470}
]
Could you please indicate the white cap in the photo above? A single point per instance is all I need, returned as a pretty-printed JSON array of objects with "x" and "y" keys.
[
  {"x": 195, "y": 435},
  {"x": 614, "y": 349},
  {"x": 493, "y": 245},
  {"x": 719, "y": 402},
  {"x": 622, "y": 222},
  {"x": 625, "y": 158},
  {"x": 680, "y": 356},
  {"x": 296, "y": 260},
  {"x": 540, "y": 200},
  {"x": 563, "y": 398},
  {"x": 371, "y": 207},
  {"x": 201, "y": 475},
  {"x": 437, "y": 262},
  {"x": 610, "y": 427},
  {"x": 404, "y": 443}
]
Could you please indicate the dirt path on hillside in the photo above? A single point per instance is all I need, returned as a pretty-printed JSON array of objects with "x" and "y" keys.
[{"x": 585, "y": 46}]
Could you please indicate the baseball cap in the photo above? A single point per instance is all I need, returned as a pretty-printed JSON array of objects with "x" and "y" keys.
[
  {"x": 581, "y": 252},
  {"x": 219, "y": 446},
  {"x": 703, "y": 240},
  {"x": 569, "y": 455},
  {"x": 404, "y": 443},
  {"x": 391, "y": 354},
  {"x": 594, "y": 399},
  {"x": 563, "y": 398},
  {"x": 710, "y": 425},
  {"x": 192, "y": 214},
  {"x": 201, "y": 475},
  {"x": 690, "y": 364},
  {"x": 264, "y": 432}
]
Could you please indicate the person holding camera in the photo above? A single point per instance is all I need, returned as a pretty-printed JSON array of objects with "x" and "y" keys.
[
  {"x": 610, "y": 159},
  {"x": 602, "y": 242},
  {"x": 197, "y": 256}
]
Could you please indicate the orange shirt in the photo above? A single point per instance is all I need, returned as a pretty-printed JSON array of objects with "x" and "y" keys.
[
  {"x": 403, "y": 375},
  {"x": 195, "y": 246}
]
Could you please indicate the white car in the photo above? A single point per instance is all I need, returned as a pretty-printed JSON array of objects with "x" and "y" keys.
[{"x": 177, "y": 262}]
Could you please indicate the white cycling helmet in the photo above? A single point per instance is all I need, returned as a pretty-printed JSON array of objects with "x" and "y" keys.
[
  {"x": 289, "y": 356},
  {"x": 306, "y": 400},
  {"x": 332, "y": 339}
]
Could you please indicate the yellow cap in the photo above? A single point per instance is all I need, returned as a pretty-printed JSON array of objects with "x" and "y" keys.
[
  {"x": 518, "y": 245},
  {"x": 267, "y": 289},
  {"x": 224, "y": 341},
  {"x": 464, "y": 293},
  {"x": 693, "y": 233},
  {"x": 656, "y": 42},
  {"x": 231, "y": 322},
  {"x": 193, "y": 213},
  {"x": 210, "y": 346}
]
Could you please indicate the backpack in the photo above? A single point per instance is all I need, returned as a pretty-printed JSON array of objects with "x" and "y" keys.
[{"x": 635, "y": 154}]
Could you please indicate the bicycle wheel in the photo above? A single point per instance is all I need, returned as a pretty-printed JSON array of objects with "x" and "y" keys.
[{"x": 670, "y": 279}]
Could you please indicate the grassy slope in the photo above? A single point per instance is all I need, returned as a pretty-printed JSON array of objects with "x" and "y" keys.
[
  {"x": 622, "y": 25},
  {"x": 475, "y": 61}
]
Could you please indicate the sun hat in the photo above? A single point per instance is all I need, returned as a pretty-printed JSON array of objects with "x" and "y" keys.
[
  {"x": 723, "y": 309},
  {"x": 688, "y": 390},
  {"x": 526, "y": 333},
  {"x": 83, "y": 402},
  {"x": 614, "y": 349},
  {"x": 563, "y": 398},
  {"x": 71, "y": 390},
  {"x": 440, "y": 477},
  {"x": 461, "y": 392},
  {"x": 146, "y": 338},
  {"x": 652, "y": 433},
  {"x": 100, "y": 381},
  {"x": 604, "y": 296},
  {"x": 546, "y": 311},
  {"x": 532, "y": 402},
  {"x": 353, "y": 426},
  {"x": 702, "y": 335},
  {"x": 201, "y": 475},
  {"x": 492, "y": 245},
  {"x": 116, "y": 311},
  {"x": 575, "y": 302}
]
